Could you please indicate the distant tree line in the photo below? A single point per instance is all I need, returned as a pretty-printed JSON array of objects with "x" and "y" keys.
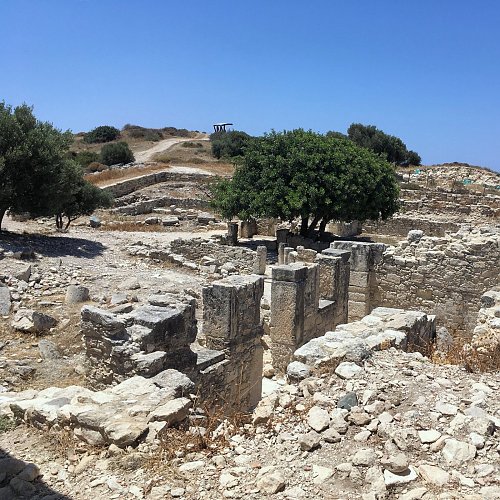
[{"x": 232, "y": 144}]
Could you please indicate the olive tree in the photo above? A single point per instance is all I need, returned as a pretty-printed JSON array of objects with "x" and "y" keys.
[{"x": 36, "y": 174}]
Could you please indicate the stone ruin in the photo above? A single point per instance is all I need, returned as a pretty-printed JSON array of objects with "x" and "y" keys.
[
  {"x": 161, "y": 335},
  {"x": 149, "y": 367}
]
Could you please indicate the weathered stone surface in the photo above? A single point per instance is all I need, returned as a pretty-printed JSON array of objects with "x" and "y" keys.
[
  {"x": 348, "y": 401},
  {"x": 406, "y": 477},
  {"x": 347, "y": 370},
  {"x": 271, "y": 482},
  {"x": 457, "y": 452},
  {"x": 30, "y": 321},
  {"x": 297, "y": 371},
  {"x": 309, "y": 441},
  {"x": 172, "y": 412},
  {"x": 318, "y": 419},
  {"x": 434, "y": 475},
  {"x": 76, "y": 294},
  {"x": 5, "y": 301},
  {"x": 429, "y": 436}
]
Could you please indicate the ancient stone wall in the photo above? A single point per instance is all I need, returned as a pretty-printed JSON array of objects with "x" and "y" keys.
[
  {"x": 197, "y": 249},
  {"x": 443, "y": 276},
  {"x": 306, "y": 300},
  {"x": 231, "y": 323},
  {"x": 439, "y": 201},
  {"x": 143, "y": 342},
  {"x": 400, "y": 225},
  {"x": 364, "y": 258},
  {"x": 128, "y": 186},
  {"x": 147, "y": 206},
  {"x": 382, "y": 329},
  {"x": 161, "y": 336}
]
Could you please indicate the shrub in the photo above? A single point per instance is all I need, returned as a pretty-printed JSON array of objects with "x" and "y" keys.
[
  {"x": 229, "y": 144},
  {"x": 95, "y": 166},
  {"x": 119, "y": 152},
  {"x": 190, "y": 144},
  {"x": 85, "y": 158},
  {"x": 104, "y": 133}
]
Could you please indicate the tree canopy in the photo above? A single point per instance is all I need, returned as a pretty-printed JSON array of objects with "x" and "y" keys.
[
  {"x": 36, "y": 174},
  {"x": 229, "y": 144},
  {"x": 370, "y": 137},
  {"x": 118, "y": 152},
  {"x": 104, "y": 133},
  {"x": 304, "y": 174}
]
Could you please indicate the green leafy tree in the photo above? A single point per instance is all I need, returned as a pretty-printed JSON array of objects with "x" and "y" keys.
[
  {"x": 303, "y": 174},
  {"x": 118, "y": 152},
  {"x": 84, "y": 158},
  {"x": 229, "y": 144},
  {"x": 104, "y": 133},
  {"x": 370, "y": 137},
  {"x": 32, "y": 153},
  {"x": 76, "y": 197},
  {"x": 36, "y": 173}
]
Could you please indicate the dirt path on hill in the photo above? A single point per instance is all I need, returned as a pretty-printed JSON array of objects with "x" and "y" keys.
[{"x": 159, "y": 147}]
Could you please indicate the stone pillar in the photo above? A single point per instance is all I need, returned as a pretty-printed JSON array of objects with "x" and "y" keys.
[
  {"x": 281, "y": 253},
  {"x": 231, "y": 323},
  {"x": 364, "y": 256},
  {"x": 286, "y": 255},
  {"x": 334, "y": 272},
  {"x": 248, "y": 228},
  {"x": 232, "y": 233},
  {"x": 287, "y": 312},
  {"x": 259, "y": 265}
]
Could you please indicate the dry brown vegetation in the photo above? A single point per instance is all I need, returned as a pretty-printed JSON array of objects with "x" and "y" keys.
[
  {"x": 462, "y": 354},
  {"x": 110, "y": 176},
  {"x": 195, "y": 153}
]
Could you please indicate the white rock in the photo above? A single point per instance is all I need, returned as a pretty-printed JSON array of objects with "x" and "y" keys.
[
  {"x": 271, "y": 482},
  {"x": 365, "y": 456},
  {"x": 320, "y": 474},
  {"x": 348, "y": 370},
  {"x": 406, "y": 477},
  {"x": 456, "y": 452},
  {"x": 429, "y": 436},
  {"x": 446, "y": 408},
  {"x": 434, "y": 475},
  {"x": 318, "y": 419}
]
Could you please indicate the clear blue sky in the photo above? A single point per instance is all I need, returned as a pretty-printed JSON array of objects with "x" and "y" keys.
[{"x": 427, "y": 71}]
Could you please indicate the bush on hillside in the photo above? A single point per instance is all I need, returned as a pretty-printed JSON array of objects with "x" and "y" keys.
[
  {"x": 119, "y": 152},
  {"x": 104, "y": 133},
  {"x": 84, "y": 158},
  {"x": 229, "y": 144}
]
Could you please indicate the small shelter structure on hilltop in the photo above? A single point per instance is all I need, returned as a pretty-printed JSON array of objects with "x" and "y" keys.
[{"x": 221, "y": 127}]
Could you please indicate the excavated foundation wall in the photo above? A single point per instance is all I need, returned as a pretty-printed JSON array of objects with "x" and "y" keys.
[
  {"x": 161, "y": 336},
  {"x": 444, "y": 276}
]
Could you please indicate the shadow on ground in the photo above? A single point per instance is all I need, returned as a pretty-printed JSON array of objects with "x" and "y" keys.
[
  {"x": 18, "y": 482},
  {"x": 50, "y": 246}
]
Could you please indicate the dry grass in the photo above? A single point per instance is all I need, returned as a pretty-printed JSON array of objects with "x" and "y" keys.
[
  {"x": 110, "y": 176},
  {"x": 463, "y": 354},
  {"x": 198, "y": 154}
]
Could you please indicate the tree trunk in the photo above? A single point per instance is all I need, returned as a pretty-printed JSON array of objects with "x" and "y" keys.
[
  {"x": 2, "y": 213},
  {"x": 59, "y": 222},
  {"x": 69, "y": 222},
  {"x": 304, "y": 226},
  {"x": 322, "y": 227},
  {"x": 312, "y": 227}
]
